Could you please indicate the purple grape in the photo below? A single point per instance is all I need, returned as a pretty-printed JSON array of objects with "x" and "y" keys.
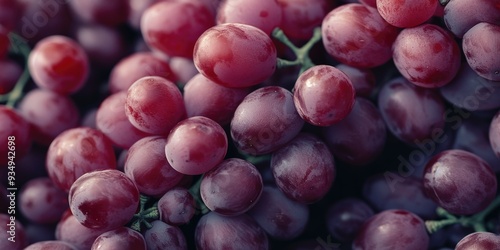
[
  {"x": 300, "y": 17},
  {"x": 177, "y": 206},
  {"x": 461, "y": 15},
  {"x": 345, "y": 217},
  {"x": 13, "y": 235},
  {"x": 392, "y": 229},
  {"x": 103, "y": 199},
  {"x": 265, "y": 121},
  {"x": 304, "y": 169},
  {"x": 280, "y": 217},
  {"x": 42, "y": 202},
  {"x": 214, "y": 232},
  {"x": 232, "y": 187},
  {"x": 164, "y": 236},
  {"x": 15, "y": 127},
  {"x": 479, "y": 240},
  {"x": 460, "y": 182},
  {"x": 122, "y": 238},
  {"x": 51, "y": 245},
  {"x": 478, "y": 43},
  {"x": 263, "y": 14},
  {"x": 10, "y": 71},
  {"x": 363, "y": 80},
  {"x": 70, "y": 230}
]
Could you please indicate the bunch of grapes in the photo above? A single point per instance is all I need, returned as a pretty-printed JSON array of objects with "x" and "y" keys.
[{"x": 249, "y": 124}]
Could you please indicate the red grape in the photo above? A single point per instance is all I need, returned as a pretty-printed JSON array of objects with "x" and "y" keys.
[
  {"x": 232, "y": 187},
  {"x": 147, "y": 166},
  {"x": 78, "y": 151},
  {"x": 173, "y": 27},
  {"x": 214, "y": 232},
  {"x": 203, "y": 97},
  {"x": 135, "y": 66},
  {"x": 406, "y": 14},
  {"x": 392, "y": 229},
  {"x": 49, "y": 114},
  {"x": 154, "y": 105},
  {"x": 59, "y": 64},
  {"x": 460, "y": 182},
  {"x": 426, "y": 55},
  {"x": 363, "y": 80},
  {"x": 51, "y": 245},
  {"x": 300, "y": 17},
  {"x": 196, "y": 145},
  {"x": 137, "y": 8},
  {"x": 364, "y": 123},
  {"x": 122, "y": 238},
  {"x": 235, "y": 55},
  {"x": 265, "y": 121},
  {"x": 4, "y": 43},
  {"x": 304, "y": 169},
  {"x": 12, "y": 229},
  {"x": 323, "y": 95},
  {"x": 280, "y": 217},
  {"x": 177, "y": 206},
  {"x": 479, "y": 240},
  {"x": 479, "y": 44},
  {"x": 113, "y": 122},
  {"x": 263, "y": 14},
  {"x": 10, "y": 14},
  {"x": 42, "y": 202},
  {"x": 345, "y": 217},
  {"x": 356, "y": 35},
  {"x": 103, "y": 199},
  {"x": 15, "y": 127},
  {"x": 70, "y": 230}
]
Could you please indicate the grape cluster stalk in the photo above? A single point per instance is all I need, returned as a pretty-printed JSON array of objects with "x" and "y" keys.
[{"x": 241, "y": 125}]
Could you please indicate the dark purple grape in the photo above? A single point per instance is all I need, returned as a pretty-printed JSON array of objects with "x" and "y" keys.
[
  {"x": 471, "y": 92},
  {"x": 364, "y": 123},
  {"x": 323, "y": 95},
  {"x": 154, "y": 105},
  {"x": 406, "y": 193},
  {"x": 41, "y": 201},
  {"x": 479, "y": 241},
  {"x": 122, "y": 238},
  {"x": 281, "y": 217},
  {"x": 103, "y": 199},
  {"x": 196, "y": 145},
  {"x": 357, "y": 35},
  {"x": 263, "y": 14},
  {"x": 413, "y": 114},
  {"x": 232, "y": 187},
  {"x": 70, "y": 230},
  {"x": 177, "y": 206},
  {"x": 460, "y": 182},
  {"x": 478, "y": 44},
  {"x": 10, "y": 14},
  {"x": 235, "y": 55},
  {"x": 363, "y": 80},
  {"x": 49, "y": 114},
  {"x": 16, "y": 129},
  {"x": 164, "y": 236},
  {"x": 304, "y": 169},
  {"x": 110, "y": 13},
  {"x": 147, "y": 166},
  {"x": 461, "y": 15},
  {"x": 13, "y": 234},
  {"x": 215, "y": 232},
  {"x": 392, "y": 229},
  {"x": 10, "y": 72},
  {"x": 78, "y": 151},
  {"x": 265, "y": 121},
  {"x": 427, "y": 55},
  {"x": 345, "y": 217},
  {"x": 203, "y": 97}
]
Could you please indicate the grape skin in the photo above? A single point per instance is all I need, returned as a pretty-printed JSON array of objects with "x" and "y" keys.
[
  {"x": 51, "y": 245},
  {"x": 345, "y": 217},
  {"x": 13, "y": 124},
  {"x": 479, "y": 44},
  {"x": 300, "y": 17},
  {"x": 479, "y": 240},
  {"x": 122, "y": 238},
  {"x": 42, "y": 202},
  {"x": 461, "y": 15},
  {"x": 164, "y": 236},
  {"x": 70, "y": 230},
  {"x": 235, "y": 55},
  {"x": 460, "y": 182},
  {"x": 177, "y": 206},
  {"x": 10, "y": 71},
  {"x": 406, "y": 14}
]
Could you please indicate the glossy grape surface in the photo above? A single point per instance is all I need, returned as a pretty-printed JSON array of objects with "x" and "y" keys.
[{"x": 479, "y": 43}]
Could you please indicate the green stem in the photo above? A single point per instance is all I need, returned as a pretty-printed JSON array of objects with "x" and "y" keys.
[
  {"x": 477, "y": 221},
  {"x": 302, "y": 54},
  {"x": 145, "y": 214},
  {"x": 195, "y": 192},
  {"x": 18, "y": 46}
]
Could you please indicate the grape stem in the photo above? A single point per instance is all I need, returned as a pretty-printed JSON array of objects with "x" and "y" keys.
[
  {"x": 145, "y": 215},
  {"x": 477, "y": 221},
  {"x": 18, "y": 46},
  {"x": 302, "y": 54},
  {"x": 195, "y": 192}
]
